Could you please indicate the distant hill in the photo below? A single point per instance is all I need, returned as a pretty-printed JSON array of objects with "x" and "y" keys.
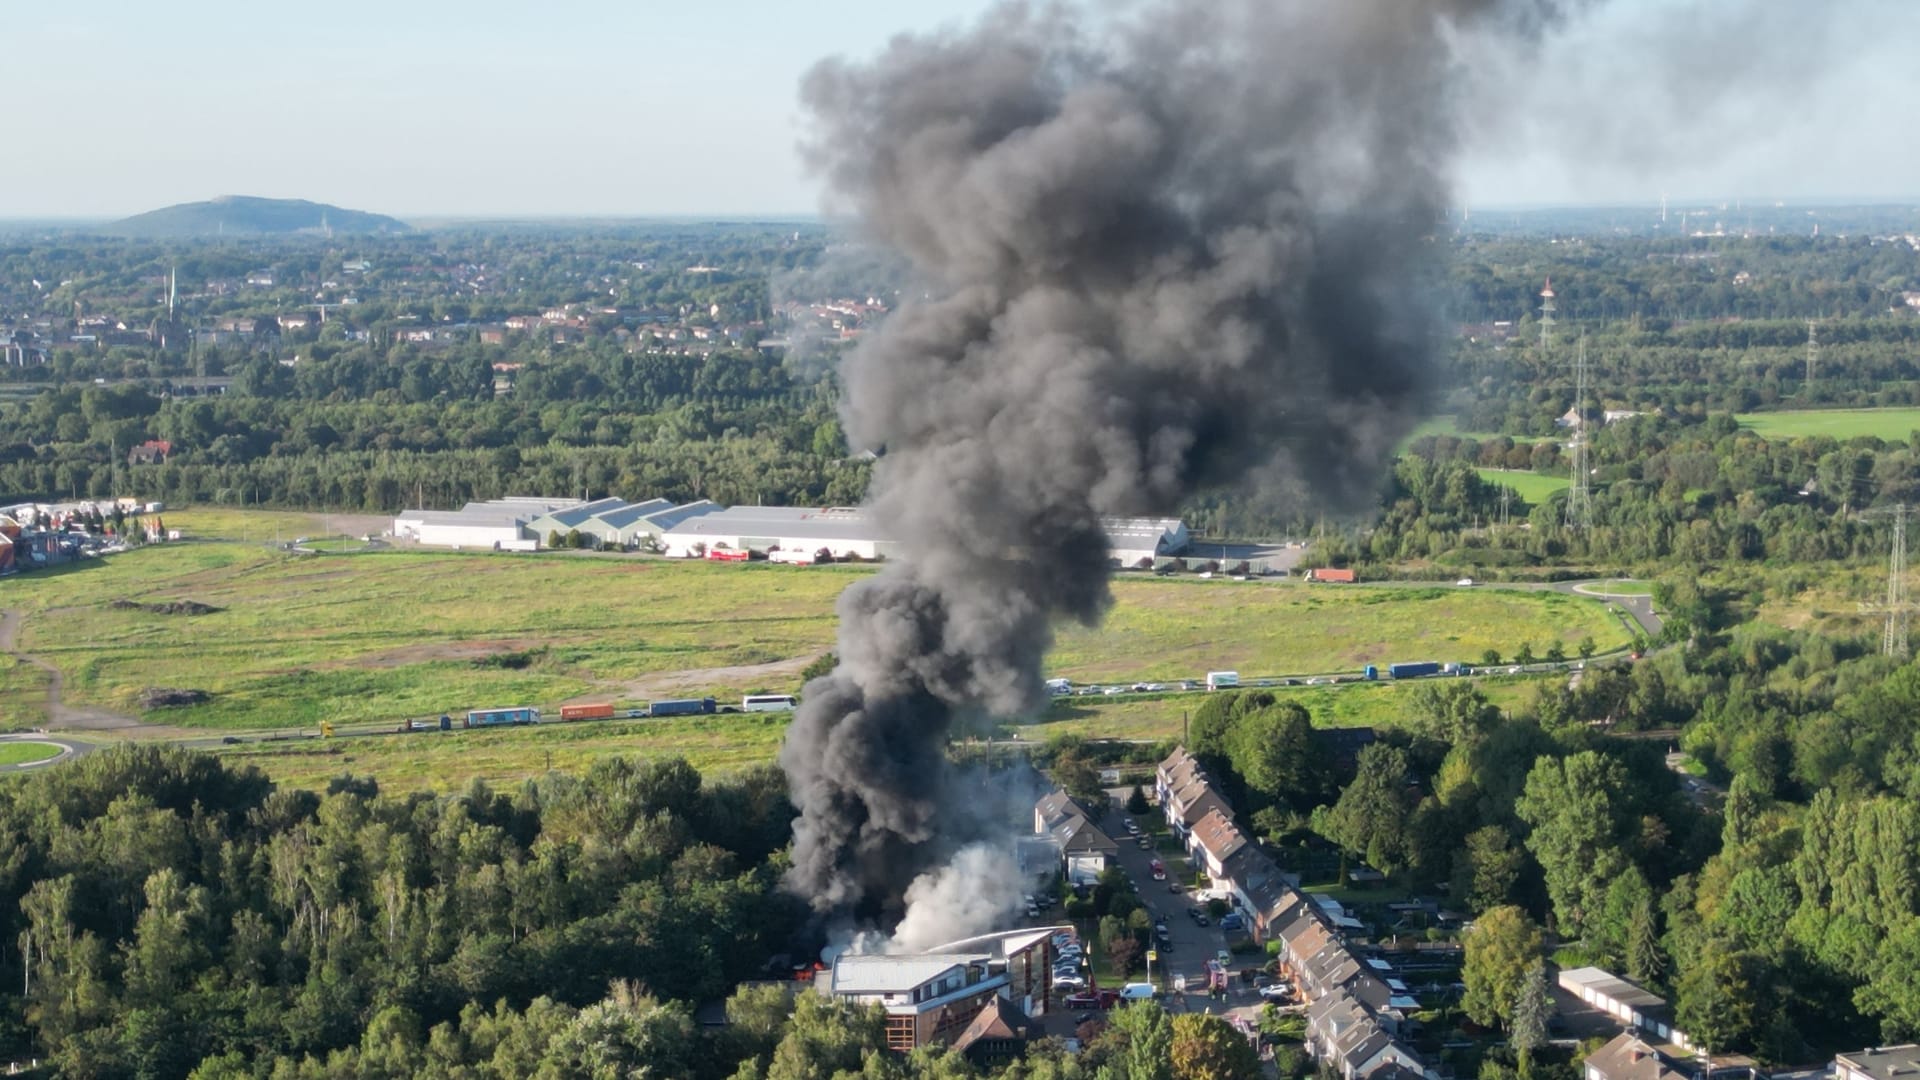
[{"x": 244, "y": 215}]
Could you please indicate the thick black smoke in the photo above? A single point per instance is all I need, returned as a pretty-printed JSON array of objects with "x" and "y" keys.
[{"x": 1155, "y": 255}]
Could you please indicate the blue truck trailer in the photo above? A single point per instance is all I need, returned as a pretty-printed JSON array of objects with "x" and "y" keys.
[
  {"x": 682, "y": 707},
  {"x": 1414, "y": 669}
]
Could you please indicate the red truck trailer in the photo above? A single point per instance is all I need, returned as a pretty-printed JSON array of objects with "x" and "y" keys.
[{"x": 600, "y": 711}]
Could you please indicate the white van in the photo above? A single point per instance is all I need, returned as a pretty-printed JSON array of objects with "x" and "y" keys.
[
  {"x": 1059, "y": 687},
  {"x": 1222, "y": 680},
  {"x": 1137, "y": 992}
]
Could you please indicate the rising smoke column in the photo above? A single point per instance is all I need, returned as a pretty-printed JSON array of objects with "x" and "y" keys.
[{"x": 1153, "y": 256}]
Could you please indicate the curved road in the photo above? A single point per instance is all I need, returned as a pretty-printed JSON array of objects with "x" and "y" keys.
[{"x": 69, "y": 748}]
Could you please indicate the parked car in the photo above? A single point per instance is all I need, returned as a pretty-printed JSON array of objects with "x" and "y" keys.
[
  {"x": 1199, "y": 916},
  {"x": 1070, "y": 982},
  {"x": 1225, "y": 957},
  {"x": 1176, "y": 888},
  {"x": 1275, "y": 992}
]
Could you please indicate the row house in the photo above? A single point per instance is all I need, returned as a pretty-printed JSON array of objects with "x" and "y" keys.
[
  {"x": 1084, "y": 849},
  {"x": 1345, "y": 1036}
]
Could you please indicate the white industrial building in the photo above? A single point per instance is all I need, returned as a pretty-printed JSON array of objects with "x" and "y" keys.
[
  {"x": 844, "y": 531},
  {"x": 524, "y": 524},
  {"x": 841, "y": 531}
]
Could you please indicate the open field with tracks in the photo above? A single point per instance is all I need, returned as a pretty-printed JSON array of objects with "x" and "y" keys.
[
  {"x": 297, "y": 640},
  {"x": 374, "y": 636}
]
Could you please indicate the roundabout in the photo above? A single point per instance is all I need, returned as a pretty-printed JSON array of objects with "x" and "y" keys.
[{"x": 21, "y": 753}]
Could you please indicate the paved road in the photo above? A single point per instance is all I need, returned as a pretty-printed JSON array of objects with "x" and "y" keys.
[
  {"x": 69, "y": 748},
  {"x": 1192, "y": 946}
]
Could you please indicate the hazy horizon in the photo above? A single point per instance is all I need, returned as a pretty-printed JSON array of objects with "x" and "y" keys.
[{"x": 477, "y": 111}]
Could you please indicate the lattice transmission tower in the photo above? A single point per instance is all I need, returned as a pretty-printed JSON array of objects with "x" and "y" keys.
[
  {"x": 1546, "y": 316},
  {"x": 1898, "y": 609},
  {"x": 1813, "y": 352},
  {"x": 1579, "y": 493}
]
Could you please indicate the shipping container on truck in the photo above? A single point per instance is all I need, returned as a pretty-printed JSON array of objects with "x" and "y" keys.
[
  {"x": 1414, "y": 669},
  {"x": 597, "y": 711},
  {"x": 794, "y": 558},
  {"x": 1328, "y": 573},
  {"x": 517, "y": 714},
  {"x": 682, "y": 707},
  {"x": 725, "y": 555}
]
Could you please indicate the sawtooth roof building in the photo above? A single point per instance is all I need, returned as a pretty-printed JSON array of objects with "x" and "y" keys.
[{"x": 522, "y": 523}]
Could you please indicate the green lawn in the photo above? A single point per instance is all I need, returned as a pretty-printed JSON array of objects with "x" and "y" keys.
[
  {"x": 1895, "y": 425},
  {"x": 23, "y": 695},
  {"x": 1161, "y": 630},
  {"x": 381, "y": 635},
  {"x": 1446, "y": 425},
  {"x": 1530, "y": 486},
  {"x": 19, "y": 753}
]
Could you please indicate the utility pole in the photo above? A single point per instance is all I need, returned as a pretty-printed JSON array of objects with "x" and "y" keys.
[{"x": 1579, "y": 494}]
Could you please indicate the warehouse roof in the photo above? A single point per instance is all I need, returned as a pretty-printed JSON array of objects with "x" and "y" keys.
[
  {"x": 624, "y": 516},
  {"x": 895, "y": 974},
  {"x": 797, "y": 522},
  {"x": 674, "y": 515},
  {"x": 575, "y": 516}
]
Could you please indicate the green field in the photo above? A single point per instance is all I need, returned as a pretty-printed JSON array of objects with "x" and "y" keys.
[
  {"x": 1530, "y": 486},
  {"x": 446, "y": 761},
  {"x": 19, "y": 753},
  {"x": 1446, "y": 425},
  {"x": 23, "y": 695},
  {"x": 1894, "y": 425},
  {"x": 378, "y": 636}
]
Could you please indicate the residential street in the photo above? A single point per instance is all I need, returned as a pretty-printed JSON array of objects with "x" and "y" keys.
[{"x": 1192, "y": 945}]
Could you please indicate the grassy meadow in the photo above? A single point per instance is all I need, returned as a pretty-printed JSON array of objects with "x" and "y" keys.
[
  {"x": 1894, "y": 425},
  {"x": 1530, "y": 486},
  {"x": 447, "y": 761},
  {"x": 376, "y": 636},
  {"x": 20, "y": 753}
]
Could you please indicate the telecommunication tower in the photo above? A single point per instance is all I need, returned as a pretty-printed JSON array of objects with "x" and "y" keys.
[
  {"x": 1579, "y": 494},
  {"x": 1813, "y": 351},
  {"x": 1546, "y": 315}
]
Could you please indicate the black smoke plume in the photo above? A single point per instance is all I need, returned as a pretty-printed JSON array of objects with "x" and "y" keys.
[{"x": 1155, "y": 254}]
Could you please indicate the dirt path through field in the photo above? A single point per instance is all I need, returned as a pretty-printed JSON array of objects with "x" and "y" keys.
[
  {"x": 662, "y": 683},
  {"x": 61, "y": 716}
]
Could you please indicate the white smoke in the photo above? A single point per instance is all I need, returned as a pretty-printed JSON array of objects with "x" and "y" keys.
[{"x": 974, "y": 893}]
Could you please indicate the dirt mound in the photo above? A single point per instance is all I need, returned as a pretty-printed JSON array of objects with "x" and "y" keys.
[
  {"x": 160, "y": 697},
  {"x": 169, "y": 607}
]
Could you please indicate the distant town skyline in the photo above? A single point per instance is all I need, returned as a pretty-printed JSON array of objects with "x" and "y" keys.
[{"x": 586, "y": 109}]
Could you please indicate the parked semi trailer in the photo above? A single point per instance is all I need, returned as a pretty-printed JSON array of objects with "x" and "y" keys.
[
  {"x": 1414, "y": 669},
  {"x": 518, "y": 714},
  {"x": 600, "y": 711},
  {"x": 683, "y": 707}
]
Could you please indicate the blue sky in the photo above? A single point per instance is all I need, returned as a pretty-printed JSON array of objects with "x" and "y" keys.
[{"x": 572, "y": 107}]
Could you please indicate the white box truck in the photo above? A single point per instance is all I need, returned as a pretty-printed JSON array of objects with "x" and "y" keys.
[{"x": 1222, "y": 680}]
